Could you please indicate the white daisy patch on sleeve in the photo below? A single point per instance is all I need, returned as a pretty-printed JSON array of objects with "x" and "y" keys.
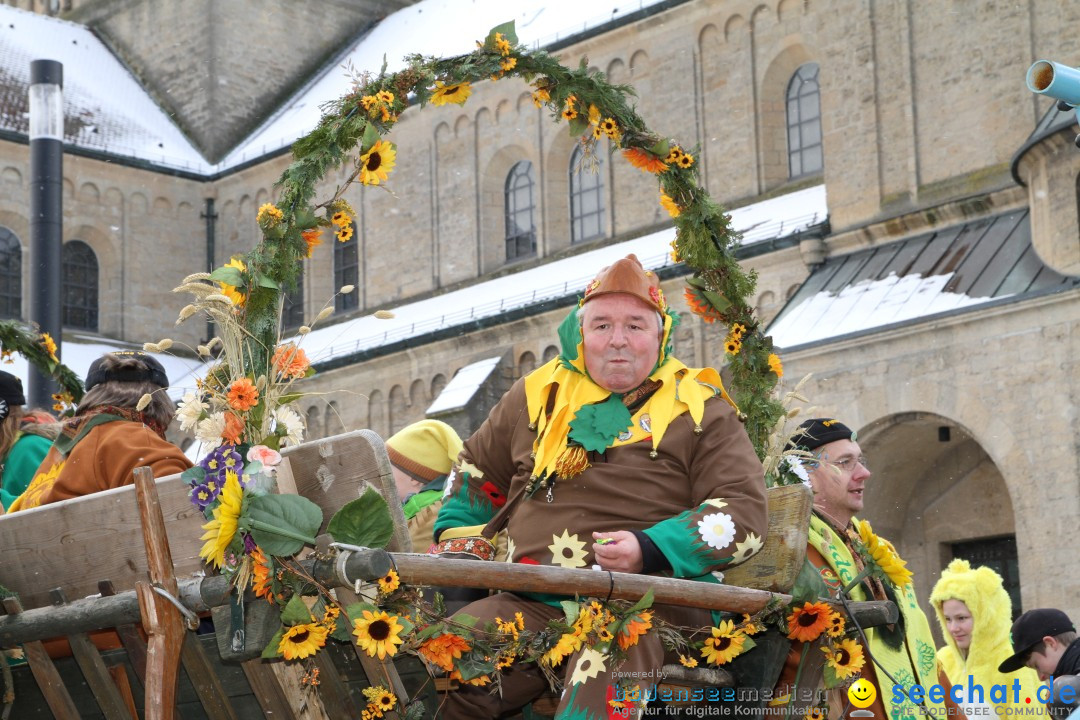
[{"x": 717, "y": 529}]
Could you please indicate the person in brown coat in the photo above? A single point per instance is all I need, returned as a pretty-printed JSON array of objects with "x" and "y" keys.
[
  {"x": 613, "y": 456},
  {"x": 107, "y": 438}
]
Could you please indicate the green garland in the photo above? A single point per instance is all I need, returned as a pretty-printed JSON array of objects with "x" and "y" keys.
[
  {"x": 39, "y": 349},
  {"x": 593, "y": 109}
]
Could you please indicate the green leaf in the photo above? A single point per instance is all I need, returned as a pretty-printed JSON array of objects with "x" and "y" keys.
[
  {"x": 296, "y": 612},
  {"x": 271, "y": 650},
  {"x": 644, "y": 603},
  {"x": 578, "y": 125},
  {"x": 508, "y": 31},
  {"x": 289, "y": 513},
  {"x": 371, "y": 136},
  {"x": 356, "y": 610},
  {"x": 464, "y": 620},
  {"x": 473, "y": 666},
  {"x": 748, "y": 644},
  {"x": 661, "y": 149},
  {"x": 429, "y": 631},
  {"x": 305, "y": 219},
  {"x": 267, "y": 282},
  {"x": 194, "y": 474},
  {"x": 808, "y": 586},
  {"x": 570, "y": 608},
  {"x": 228, "y": 275},
  {"x": 416, "y": 710},
  {"x": 364, "y": 521},
  {"x": 595, "y": 426}
]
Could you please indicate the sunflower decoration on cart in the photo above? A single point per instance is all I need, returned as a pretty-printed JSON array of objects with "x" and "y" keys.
[{"x": 39, "y": 349}]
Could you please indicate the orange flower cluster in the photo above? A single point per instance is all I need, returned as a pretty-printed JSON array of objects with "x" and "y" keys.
[
  {"x": 442, "y": 650},
  {"x": 644, "y": 160},
  {"x": 290, "y": 361},
  {"x": 243, "y": 395},
  {"x": 311, "y": 237},
  {"x": 234, "y": 429}
]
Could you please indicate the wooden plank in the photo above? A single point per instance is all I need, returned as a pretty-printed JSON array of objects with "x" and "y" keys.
[
  {"x": 162, "y": 621},
  {"x": 306, "y": 704},
  {"x": 62, "y": 544},
  {"x": 207, "y": 684},
  {"x": 48, "y": 679},
  {"x": 123, "y": 684},
  {"x": 267, "y": 690},
  {"x": 333, "y": 691},
  {"x": 130, "y": 638},
  {"x": 776, "y": 566},
  {"x": 94, "y": 671}
]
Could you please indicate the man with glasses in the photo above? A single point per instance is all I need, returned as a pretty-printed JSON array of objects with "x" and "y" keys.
[{"x": 838, "y": 473}]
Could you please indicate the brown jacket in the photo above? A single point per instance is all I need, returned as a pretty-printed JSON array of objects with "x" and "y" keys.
[{"x": 105, "y": 458}]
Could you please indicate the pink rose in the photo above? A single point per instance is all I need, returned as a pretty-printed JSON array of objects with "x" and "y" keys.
[{"x": 267, "y": 456}]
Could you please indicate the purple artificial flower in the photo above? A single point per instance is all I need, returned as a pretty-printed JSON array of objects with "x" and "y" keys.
[
  {"x": 221, "y": 460},
  {"x": 205, "y": 493},
  {"x": 249, "y": 544}
]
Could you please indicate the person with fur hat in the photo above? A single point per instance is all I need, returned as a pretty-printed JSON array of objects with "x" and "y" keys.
[
  {"x": 108, "y": 437},
  {"x": 421, "y": 456},
  {"x": 23, "y": 442},
  {"x": 974, "y": 612},
  {"x": 837, "y": 547},
  {"x": 615, "y": 456}
]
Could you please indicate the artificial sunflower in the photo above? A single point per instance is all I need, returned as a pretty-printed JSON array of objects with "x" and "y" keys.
[
  {"x": 674, "y": 154},
  {"x": 738, "y": 330},
  {"x": 50, "y": 346},
  {"x": 260, "y": 575},
  {"x": 568, "y": 644},
  {"x": 377, "y": 163},
  {"x": 644, "y": 160},
  {"x": 540, "y": 96},
  {"x": 301, "y": 641},
  {"x": 685, "y": 161},
  {"x": 231, "y": 291},
  {"x": 775, "y": 365},
  {"x": 479, "y": 681},
  {"x": 341, "y": 219},
  {"x": 312, "y": 239},
  {"x": 610, "y": 128},
  {"x": 634, "y": 628},
  {"x": 508, "y": 64},
  {"x": 725, "y": 644},
  {"x": 378, "y": 633},
  {"x": 509, "y": 627},
  {"x": 749, "y": 626},
  {"x": 444, "y": 649},
  {"x": 221, "y": 530},
  {"x": 269, "y": 214},
  {"x": 569, "y": 113},
  {"x": 846, "y": 658},
  {"x": 457, "y": 93},
  {"x": 380, "y": 698},
  {"x": 836, "y": 625},
  {"x": 243, "y": 395},
  {"x": 385, "y": 96},
  {"x": 389, "y": 583},
  {"x": 502, "y": 44},
  {"x": 884, "y": 555},
  {"x": 670, "y": 205},
  {"x": 808, "y": 622},
  {"x": 731, "y": 347},
  {"x": 344, "y": 234},
  {"x": 687, "y": 661}
]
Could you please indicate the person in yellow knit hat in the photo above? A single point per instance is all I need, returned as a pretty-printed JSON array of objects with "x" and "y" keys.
[
  {"x": 421, "y": 456},
  {"x": 975, "y": 614}
]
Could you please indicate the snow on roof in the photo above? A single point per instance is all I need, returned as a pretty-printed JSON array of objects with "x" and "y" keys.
[
  {"x": 440, "y": 28},
  {"x": 762, "y": 221},
  {"x": 105, "y": 108},
  {"x": 78, "y": 352},
  {"x": 461, "y": 388}
]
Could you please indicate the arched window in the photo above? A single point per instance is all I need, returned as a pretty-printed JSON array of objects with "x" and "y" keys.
[
  {"x": 292, "y": 313},
  {"x": 347, "y": 272},
  {"x": 80, "y": 286},
  {"x": 397, "y": 409},
  {"x": 586, "y": 197},
  {"x": 314, "y": 432},
  {"x": 804, "y": 122},
  {"x": 550, "y": 353},
  {"x": 437, "y": 384},
  {"x": 10, "y": 275},
  {"x": 519, "y": 203},
  {"x": 332, "y": 423}
]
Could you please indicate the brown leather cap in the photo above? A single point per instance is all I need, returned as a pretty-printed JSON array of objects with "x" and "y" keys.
[{"x": 628, "y": 276}]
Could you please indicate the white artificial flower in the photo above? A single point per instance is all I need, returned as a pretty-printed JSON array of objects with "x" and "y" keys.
[
  {"x": 209, "y": 431},
  {"x": 717, "y": 529},
  {"x": 190, "y": 410},
  {"x": 794, "y": 463},
  {"x": 287, "y": 418}
]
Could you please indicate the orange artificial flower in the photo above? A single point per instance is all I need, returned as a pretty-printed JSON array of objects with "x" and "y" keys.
[
  {"x": 634, "y": 628},
  {"x": 644, "y": 160},
  {"x": 808, "y": 622},
  {"x": 243, "y": 395},
  {"x": 234, "y": 429},
  {"x": 290, "y": 361},
  {"x": 311, "y": 237},
  {"x": 260, "y": 578},
  {"x": 443, "y": 650}
]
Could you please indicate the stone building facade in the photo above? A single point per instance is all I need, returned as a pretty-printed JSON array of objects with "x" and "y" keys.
[{"x": 969, "y": 417}]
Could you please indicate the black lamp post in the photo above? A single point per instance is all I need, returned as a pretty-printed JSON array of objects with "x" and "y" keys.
[{"x": 46, "y": 211}]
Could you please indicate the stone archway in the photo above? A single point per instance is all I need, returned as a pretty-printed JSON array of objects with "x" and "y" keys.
[{"x": 936, "y": 493}]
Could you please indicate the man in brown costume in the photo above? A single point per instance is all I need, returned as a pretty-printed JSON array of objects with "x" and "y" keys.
[{"x": 614, "y": 456}]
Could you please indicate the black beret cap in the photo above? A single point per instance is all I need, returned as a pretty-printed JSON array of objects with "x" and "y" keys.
[
  {"x": 154, "y": 373},
  {"x": 816, "y": 432},
  {"x": 11, "y": 389}
]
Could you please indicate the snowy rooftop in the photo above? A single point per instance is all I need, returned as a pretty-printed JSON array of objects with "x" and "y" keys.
[
  {"x": 105, "y": 108},
  {"x": 759, "y": 222},
  {"x": 77, "y": 352},
  {"x": 461, "y": 388},
  {"x": 957, "y": 267}
]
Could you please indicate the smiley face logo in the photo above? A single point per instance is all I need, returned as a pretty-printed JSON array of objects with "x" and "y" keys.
[{"x": 862, "y": 693}]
